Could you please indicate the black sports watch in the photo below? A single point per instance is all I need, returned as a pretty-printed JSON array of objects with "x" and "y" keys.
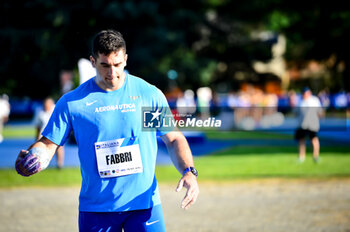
[{"x": 191, "y": 169}]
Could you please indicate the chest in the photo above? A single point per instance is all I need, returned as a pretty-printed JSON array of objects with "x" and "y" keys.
[{"x": 107, "y": 114}]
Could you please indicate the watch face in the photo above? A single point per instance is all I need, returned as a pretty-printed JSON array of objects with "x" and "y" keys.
[{"x": 194, "y": 171}]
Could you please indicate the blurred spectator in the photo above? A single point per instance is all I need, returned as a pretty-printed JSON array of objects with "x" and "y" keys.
[
  {"x": 323, "y": 95},
  {"x": 241, "y": 114},
  {"x": 270, "y": 103},
  {"x": 293, "y": 99},
  {"x": 254, "y": 108},
  {"x": 186, "y": 103},
  {"x": 40, "y": 121},
  {"x": 232, "y": 100},
  {"x": 309, "y": 112},
  {"x": 257, "y": 98},
  {"x": 340, "y": 100},
  {"x": 204, "y": 96},
  {"x": 67, "y": 84},
  {"x": 4, "y": 113},
  {"x": 271, "y": 117}
]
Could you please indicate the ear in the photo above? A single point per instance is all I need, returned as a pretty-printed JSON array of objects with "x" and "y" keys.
[
  {"x": 126, "y": 58},
  {"x": 93, "y": 61}
]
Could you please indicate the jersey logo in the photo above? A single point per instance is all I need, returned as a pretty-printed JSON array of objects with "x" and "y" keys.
[
  {"x": 129, "y": 107},
  {"x": 151, "y": 223},
  {"x": 90, "y": 103},
  {"x": 134, "y": 97}
]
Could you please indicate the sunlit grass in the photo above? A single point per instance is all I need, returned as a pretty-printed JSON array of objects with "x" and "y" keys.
[
  {"x": 266, "y": 161},
  {"x": 237, "y": 162},
  {"x": 232, "y": 164},
  {"x": 19, "y": 131},
  {"x": 246, "y": 135}
]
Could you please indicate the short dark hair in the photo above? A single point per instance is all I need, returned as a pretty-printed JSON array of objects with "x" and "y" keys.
[
  {"x": 106, "y": 42},
  {"x": 305, "y": 89}
]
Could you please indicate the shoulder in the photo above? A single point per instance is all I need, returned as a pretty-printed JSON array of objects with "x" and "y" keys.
[
  {"x": 143, "y": 85},
  {"x": 316, "y": 101},
  {"x": 139, "y": 81},
  {"x": 80, "y": 92}
]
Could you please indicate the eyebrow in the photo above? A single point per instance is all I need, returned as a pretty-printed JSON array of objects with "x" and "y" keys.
[{"x": 103, "y": 63}]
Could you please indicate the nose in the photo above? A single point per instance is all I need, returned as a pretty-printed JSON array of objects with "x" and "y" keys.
[{"x": 112, "y": 70}]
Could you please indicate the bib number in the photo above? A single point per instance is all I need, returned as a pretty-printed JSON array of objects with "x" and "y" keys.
[{"x": 118, "y": 157}]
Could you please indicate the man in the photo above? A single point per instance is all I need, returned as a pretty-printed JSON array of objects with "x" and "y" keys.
[
  {"x": 4, "y": 113},
  {"x": 309, "y": 112},
  {"x": 117, "y": 157},
  {"x": 40, "y": 121}
]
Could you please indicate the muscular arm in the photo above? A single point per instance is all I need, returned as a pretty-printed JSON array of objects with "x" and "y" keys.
[
  {"x": 179, "y": 150},
  {"x": 27, "y": 165},
  {"x": 181, "y": 156}
]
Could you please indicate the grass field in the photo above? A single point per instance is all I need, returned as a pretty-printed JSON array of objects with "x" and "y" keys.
[
  {"x": 19, "y": 132},
  {"x": 235, "y": 163},
  {"x": 266, "y": 161},
  {"x": 241, "y": 162},
  {"x": 29, "y": 132},
  {"x": 246, "y": 135}
]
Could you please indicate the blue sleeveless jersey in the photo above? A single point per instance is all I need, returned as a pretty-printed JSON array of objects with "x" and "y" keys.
[{"x": 95, "y": 116}]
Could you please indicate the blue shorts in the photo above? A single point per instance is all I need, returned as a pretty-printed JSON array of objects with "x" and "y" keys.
[{"x": 139, "y": 220}]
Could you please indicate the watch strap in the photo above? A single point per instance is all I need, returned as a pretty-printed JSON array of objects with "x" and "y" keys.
[{"x": 191, "y": 169}]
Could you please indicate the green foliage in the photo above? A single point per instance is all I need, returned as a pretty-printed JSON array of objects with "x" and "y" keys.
[
  {"x": 41, "y": 38},
  {"x": 279, "y": 21}
]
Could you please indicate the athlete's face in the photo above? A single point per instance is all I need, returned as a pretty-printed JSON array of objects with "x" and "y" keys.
[{"x": 110, "y": 69}]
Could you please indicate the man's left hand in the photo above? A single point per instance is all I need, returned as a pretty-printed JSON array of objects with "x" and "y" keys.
[{"x": 189, "y": 181}]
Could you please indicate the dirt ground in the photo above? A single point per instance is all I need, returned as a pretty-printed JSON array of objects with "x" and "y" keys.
[{"x": 271, "y": 205}]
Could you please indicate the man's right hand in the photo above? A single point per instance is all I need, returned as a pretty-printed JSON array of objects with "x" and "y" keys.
[{"x": 27, "y": 164}]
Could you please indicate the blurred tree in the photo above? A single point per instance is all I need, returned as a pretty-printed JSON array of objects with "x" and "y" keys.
[
  {"x": 207, "y": 42},
  {"x": 315, "y": 30}
]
